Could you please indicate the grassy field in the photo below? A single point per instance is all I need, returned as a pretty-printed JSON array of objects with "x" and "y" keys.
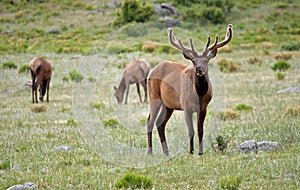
[{"x": 82, "y": 139}]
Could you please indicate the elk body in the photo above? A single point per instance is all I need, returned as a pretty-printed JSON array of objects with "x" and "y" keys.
[
  {"x": 135, "y": 72},
  {"x": 41, "y": 72},
  {"x": 176, "y": 86}
]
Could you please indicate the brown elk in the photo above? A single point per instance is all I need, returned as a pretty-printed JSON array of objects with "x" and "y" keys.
[
  {"x": 134, "y": 72},
  {"x": 41, "y": 72},
  {"x": 176, "y": 86}
]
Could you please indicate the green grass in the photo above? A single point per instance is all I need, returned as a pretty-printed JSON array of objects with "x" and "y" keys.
[{"x": 108, "y": 140}]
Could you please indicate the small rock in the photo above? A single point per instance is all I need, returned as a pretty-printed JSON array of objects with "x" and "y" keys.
[
  {"x": 63, "y": 148},
  {"x": 16, "y": 187},
  {"x": 29, "y": 185},
  {"x": 170, "y": 22},
  {"x": 252, "y": 145},
  {"x": 267, "y": 145},
  {"x": 248, "y": 146},
  {"x": 290, "y": 89}
]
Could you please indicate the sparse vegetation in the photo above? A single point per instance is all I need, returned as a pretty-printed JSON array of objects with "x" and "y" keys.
[{"x": 61, "y": 30}]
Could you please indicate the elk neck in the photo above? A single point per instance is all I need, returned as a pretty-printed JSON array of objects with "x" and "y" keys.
[
  {"x": 201, "y": 84},
  {"x": 122, "y": 86}
]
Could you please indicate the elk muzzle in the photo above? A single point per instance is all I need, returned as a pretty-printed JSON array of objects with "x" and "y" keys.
[{"x": 200, "y": 71}]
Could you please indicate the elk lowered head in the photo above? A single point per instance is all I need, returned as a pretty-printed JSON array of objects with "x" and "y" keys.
[{"x": 200, "y": 61}]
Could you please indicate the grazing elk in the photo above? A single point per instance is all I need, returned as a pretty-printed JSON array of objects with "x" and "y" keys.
[
  {"x": 41, "y": 72},
  {"x": 135, "y": 72},
  {"x": 175, "y": 86}
]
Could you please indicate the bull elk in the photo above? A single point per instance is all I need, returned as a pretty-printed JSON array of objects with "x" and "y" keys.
[
  {"x": 176, "y": 86},
  {"x": 134, "y": 72},
  {"x": 41, "y": 72}
]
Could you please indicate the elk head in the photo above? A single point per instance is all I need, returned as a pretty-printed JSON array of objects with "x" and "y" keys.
[{"x": 200, "y": 61}]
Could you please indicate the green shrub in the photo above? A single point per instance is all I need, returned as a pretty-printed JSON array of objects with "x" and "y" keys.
[
  {"x": 280, "y": 75},
  {"x": 244, "y": 107},
  {"x": 133, "y": 11},
  {"x": 221, "y": 143},
  {"x": 111, "y": 123},
  {"x": 214, "y": 14},
  {"x": 292, "y": 46},
  {"x": 230, "y": 182},
  {"x": 281, "y": 66},
  {"x": 75, "y": 76},
  {"x": 98, "y": 105},
  {"x": 9, "y": 65},
  {"x": 71, "y": 122},
  {"x": 5, "y": 164},
  {"x": 65, "y": 79},
  {"x": 24, "y": 68},
  {"x": 134, "y": 181}
]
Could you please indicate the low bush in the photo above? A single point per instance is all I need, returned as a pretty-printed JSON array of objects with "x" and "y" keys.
[
  {"x": 221, "y": 143},
  {"x": 281, "y": 66},
  {"x": 283, "y": 56},
  {"x": 38, "y": 108},
  {"x": 98, "y": 105},
  {"x": 292, "y": 46},
  {"x": 280, "y": 75},
  {"x": 24, "y": 68},
  {"x": 228, "y": 66},
  {"x": 133, "y": 11},
  {"x": 243, "y": 107},
  {"x": 255, "y": 61},
  {"x": 9, "y": 65},
  {"x": 230, "y": 182},
  {"x": 134, "y": 181},
  {"x": 111, "y": 123},
  {"x": 75, "y": 76}
]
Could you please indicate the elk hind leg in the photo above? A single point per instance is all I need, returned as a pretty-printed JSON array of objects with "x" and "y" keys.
[
  {"x": 154, "y": 109},
  {"x": 138, "y": 91},
  {"x": 161, "y": 122},
  {"x": 144, "y": 84}
]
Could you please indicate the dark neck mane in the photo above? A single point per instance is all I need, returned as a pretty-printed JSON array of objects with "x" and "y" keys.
[{"x": 201, "y": 85}]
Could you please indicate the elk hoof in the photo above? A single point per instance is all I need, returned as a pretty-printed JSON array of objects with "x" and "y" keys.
[{"x": 200, "y": 153}]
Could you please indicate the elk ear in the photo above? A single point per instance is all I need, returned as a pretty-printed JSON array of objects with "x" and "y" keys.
[{"x": 212, "y": 53}]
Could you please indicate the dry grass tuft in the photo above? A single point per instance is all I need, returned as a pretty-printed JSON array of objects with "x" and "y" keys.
[
  {"x": 38, "y": 108},
  {"x": 283, "y": 56}
]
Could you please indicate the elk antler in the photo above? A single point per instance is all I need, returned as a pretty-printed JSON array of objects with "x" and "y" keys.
[
  {"x": 217, "y": 45},
  {"x": 188, "y": 53}
]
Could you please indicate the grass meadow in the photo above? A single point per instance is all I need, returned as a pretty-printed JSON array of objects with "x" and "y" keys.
[{"x": 106, "y": 141}]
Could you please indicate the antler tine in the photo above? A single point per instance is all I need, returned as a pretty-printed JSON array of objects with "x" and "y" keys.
[
  {"x": 189, "y": 52},
  {"x": 227, "y": 38},
  {"x": 214, "y": 46}
]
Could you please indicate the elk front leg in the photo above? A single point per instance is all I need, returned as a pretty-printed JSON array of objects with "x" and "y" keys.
[
  {"x": 201, "y": 117},
  {"x": 144, "y": 84},
  {"x": 48, "y": 86},
  {"x": 189, "y": 122}
]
